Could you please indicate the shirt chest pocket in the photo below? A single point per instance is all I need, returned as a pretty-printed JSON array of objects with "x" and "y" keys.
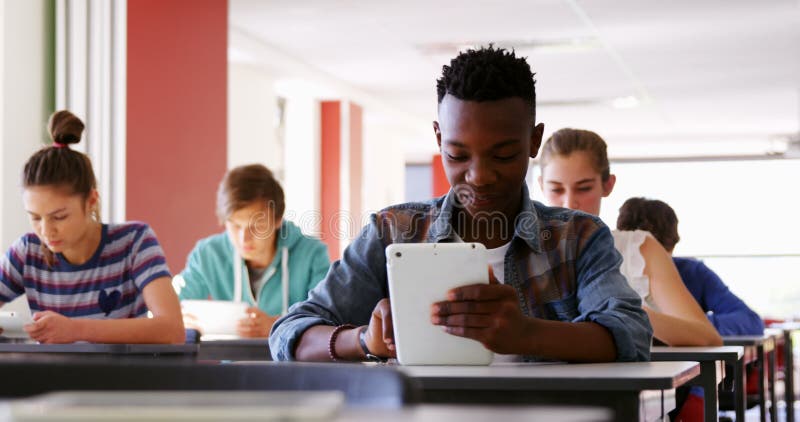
[{"x": 563, "y": 310}]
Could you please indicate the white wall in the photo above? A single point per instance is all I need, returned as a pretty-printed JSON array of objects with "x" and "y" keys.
[
  {"x": 252, "y": 106},
  {"x": 253, "y": 65},
  {"x": 23, "y": 108},
  {"x": 301, "y": 155},
  {"x": 384, "y": 163},
  {"x": 3, "y": 244}
]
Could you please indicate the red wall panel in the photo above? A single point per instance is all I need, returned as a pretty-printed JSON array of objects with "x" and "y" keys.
[
  {"x": 176, "y": 118},
  {"x": 330, "y": 176},
  {"x": 440, "y": 183},
  {"x": 356, "y": 139}
]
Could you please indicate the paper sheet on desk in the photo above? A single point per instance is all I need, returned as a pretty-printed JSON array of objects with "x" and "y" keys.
[{"x": 215, "y": 317}]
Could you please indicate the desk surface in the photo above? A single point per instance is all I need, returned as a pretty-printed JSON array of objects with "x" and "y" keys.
[
  {"x": 786, "y": 326},
  {"x": 700, "y": 354},
  {"x": 256, "y": 349},
  {"x": 746, "y": 340},
  {"x": 630, "y": 376},
  {"x": 100, "y": 348},
  {"x": 260, "y": 342},
  {"x": 438, "y": 413}
]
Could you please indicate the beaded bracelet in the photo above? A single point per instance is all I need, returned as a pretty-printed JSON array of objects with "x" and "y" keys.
[{"x": 332, "y": 341}]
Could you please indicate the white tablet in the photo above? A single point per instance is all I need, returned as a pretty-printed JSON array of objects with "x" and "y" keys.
[
  {"x": 419, "y": 275},
  {"x": 12, "y": 322},
  {"x": 216, "y": 318}
]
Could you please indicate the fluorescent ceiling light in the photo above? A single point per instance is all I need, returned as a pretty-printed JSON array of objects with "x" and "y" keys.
[
  {"x": 625, "y": 102},
  {"x": 551, "y": 46}
]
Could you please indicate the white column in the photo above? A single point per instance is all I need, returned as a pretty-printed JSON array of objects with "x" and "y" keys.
[
  {"x": 23, "y": 107},
  {"x": 302, "y": 155},
  {"x": 90, "y": 67},
  {"x": 252, "y": 111}
]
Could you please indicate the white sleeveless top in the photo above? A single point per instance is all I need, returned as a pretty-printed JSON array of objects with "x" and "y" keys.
[{"x": 628, "y": 243}]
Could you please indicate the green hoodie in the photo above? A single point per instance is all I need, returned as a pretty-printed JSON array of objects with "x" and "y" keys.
[{"x": 209, "y": 270}]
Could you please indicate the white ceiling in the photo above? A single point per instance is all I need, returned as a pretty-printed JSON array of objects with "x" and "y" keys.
[{"x": 711, "y": 76}]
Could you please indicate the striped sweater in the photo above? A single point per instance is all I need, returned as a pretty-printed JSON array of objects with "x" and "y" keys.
[{"x": 108, "y": 285}]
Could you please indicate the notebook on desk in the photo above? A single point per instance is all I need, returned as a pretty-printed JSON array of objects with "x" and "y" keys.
[{"x": 179, "y": 406}]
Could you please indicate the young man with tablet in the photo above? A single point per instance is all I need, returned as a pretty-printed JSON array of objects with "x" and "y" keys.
[{"x": 555, "y": 290}]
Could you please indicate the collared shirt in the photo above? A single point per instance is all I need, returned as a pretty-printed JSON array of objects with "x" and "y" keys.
[{"x": 562, "y": 263}]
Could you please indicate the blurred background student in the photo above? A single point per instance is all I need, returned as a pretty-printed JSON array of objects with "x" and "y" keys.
[
  {"x": 576, "y": 175},
  {"x": 260, "y": 259},
  {"x": 729, "y": 314}
]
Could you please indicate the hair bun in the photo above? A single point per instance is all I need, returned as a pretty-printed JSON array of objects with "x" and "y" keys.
[{"x": 65, "y": 127}]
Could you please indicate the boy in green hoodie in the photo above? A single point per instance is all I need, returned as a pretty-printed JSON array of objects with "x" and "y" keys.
[{"x": 260, "y": 259}]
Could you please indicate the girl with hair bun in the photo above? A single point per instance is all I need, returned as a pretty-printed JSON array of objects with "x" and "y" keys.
[
  {"x": 85, "y": 280},
  {"x": 576, "y": 175}
]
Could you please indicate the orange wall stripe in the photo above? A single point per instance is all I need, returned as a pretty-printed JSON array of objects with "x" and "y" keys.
[
  {"x": 330, "y": 180},
  {"x": 440, "y": 184},
  {"x": 356, "y": 154}
]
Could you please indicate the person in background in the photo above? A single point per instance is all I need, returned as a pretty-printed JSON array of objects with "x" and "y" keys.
[
  {"x": 565, "y": 298},
  {"x": 260, "y": 259},
  {"x": 729, "y": 314},
  {"x": 576, "y": 175},
  {"x": 85, "y": 280}
]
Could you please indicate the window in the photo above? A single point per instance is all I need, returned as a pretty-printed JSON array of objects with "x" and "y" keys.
[{"x": 739, "y": 216}]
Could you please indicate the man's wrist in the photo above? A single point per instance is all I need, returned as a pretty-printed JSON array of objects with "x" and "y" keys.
[
  {"x": 531, "y": 343},
  {"x": 335, "y": 351},
  {"x": 362, "y": 341}
]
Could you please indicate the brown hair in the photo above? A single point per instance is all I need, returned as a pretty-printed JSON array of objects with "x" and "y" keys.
[
  {"x": 566, "y": 141},
  {"x": 243, "y": 185},
  {"x": 651, "y": 215},
  {"x": 60, "y": 166}
]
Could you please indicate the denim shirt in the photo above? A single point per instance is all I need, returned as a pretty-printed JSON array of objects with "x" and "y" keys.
[{"x": 562, "y": 263}]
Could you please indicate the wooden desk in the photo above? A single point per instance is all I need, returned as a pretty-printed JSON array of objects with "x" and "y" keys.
[
  {"x": 249, "y": 349},
  {"x": 710, "y": 376},
  {"x": 180, "y": 351},
  {"x": 635, "y": 391},
  {"x": 361, "y": 385},
  {"x": 239, "y": 349},
  {"x": 410, "y": 413},
  {"x": 765, "y": 356},
  {"x": 439, "y": 413},
  {"x": 786, "y": 330}
]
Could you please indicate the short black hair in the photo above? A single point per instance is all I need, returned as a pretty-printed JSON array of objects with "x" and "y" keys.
[{"x": 488, "y": 74}]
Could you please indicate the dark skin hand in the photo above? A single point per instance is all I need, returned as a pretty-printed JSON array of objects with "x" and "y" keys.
[
  {"x": 380, "y": 333},
  {"x": 379, "y": 337},
  {"x": 488, "y": 313}
]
